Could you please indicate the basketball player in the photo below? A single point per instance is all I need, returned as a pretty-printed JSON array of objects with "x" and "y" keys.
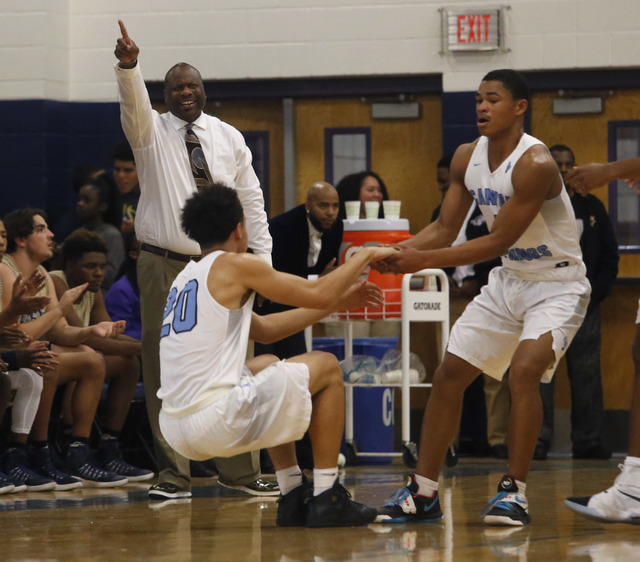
[
  {"x": 621, "y": 502},
  {"x": 212, "y": 405},
  {"x": 523, "y": 319}
]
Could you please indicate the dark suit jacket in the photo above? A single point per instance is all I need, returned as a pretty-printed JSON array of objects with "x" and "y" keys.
[{"x": 290, "y": 234}]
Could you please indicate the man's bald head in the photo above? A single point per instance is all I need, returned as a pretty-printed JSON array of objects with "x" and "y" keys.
[{"x": 322, "y": 205}]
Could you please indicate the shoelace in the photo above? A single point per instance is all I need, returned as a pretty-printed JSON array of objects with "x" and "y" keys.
[{"x": 398, "y": 497}]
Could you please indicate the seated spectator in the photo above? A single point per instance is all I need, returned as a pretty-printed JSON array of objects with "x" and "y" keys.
[
  {"x": 84, "y": 258},
  {"x": 363, "y": 186},
  {"x": 125, "y": 175},
  {"x": 21, "y": 372},
  {"x": 96, "y": 209},
  {"x": 29, "y": 243},
  {"x": 123, "y": 299}
]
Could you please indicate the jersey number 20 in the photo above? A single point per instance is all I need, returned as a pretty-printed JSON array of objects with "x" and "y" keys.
[{"x": 185, "y": 309}]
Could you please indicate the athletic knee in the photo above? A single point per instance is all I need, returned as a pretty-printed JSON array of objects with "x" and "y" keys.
[
  {"x": 523, "y": 379},
  {"x": 329, "y": 366}
]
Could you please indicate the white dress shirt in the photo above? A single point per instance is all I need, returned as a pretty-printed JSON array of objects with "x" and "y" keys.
[
  {"x": 164, "y": 172},
  {"x": 315, "y": 244}
]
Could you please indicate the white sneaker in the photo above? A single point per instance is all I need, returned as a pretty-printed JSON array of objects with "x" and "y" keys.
[{"x": 618, "y": 504}]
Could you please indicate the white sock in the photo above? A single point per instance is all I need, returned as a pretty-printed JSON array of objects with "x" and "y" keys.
[
  {"x": 323, "y": 479},
  {"x": 522, "y": 486},
  {"x": 289, "y": 479},
  {"x": 426, "y": 487},
  {"x": 632, "y": 462}
]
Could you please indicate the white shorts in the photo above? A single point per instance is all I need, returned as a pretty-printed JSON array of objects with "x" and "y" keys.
[
  {"x": 271, "y": 408},
  {"x": 509, "y": 310}
]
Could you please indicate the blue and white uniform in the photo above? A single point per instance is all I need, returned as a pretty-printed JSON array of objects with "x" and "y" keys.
[
  {"x": 211, "y": 404},
  {"x": 541, "y": 286}
]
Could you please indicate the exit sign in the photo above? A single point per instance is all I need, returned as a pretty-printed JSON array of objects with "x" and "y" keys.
[{"x": 473, "y": 29}]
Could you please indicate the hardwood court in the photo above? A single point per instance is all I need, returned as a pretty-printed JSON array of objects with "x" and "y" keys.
[{"x": 223, "y": 525}]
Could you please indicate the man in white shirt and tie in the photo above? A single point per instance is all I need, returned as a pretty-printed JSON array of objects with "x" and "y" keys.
[{"x": 169, "y": 173}]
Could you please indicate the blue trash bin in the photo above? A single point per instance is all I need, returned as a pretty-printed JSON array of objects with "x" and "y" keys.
[{"x": 373, "y": 408}]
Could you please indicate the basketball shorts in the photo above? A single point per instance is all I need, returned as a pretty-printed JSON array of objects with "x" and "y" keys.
[
  {"x": 268, "y": 409},
  {"x": 509, "y": 310}
]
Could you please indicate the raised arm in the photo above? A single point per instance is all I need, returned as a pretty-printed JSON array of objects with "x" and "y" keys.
[{"x": 136, "y": 113}]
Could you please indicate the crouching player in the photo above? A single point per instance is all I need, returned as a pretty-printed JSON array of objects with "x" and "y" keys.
[{"x": 215, "y": 405}]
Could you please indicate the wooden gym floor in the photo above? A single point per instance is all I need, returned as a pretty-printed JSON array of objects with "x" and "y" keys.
[{"x": 224, "y": 525}]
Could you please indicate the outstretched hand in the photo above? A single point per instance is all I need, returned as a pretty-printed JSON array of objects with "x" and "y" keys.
[
  {"x": 587, "y": 177},
  {"x": 360, "y": 295},
  {"x": 633, "y": 183},
  {"x": 404, "y": 260},
  {"x": 126, "y": 50},
  {"x": 108, "y": 329},
  {"x": 70, "y": 296}
]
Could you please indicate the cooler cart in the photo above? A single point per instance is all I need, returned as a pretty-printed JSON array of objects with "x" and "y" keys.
[{"x": 424, "y": 297}]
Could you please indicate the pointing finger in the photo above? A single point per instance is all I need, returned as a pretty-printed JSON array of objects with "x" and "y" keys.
[{"x": 123, "y": 30}]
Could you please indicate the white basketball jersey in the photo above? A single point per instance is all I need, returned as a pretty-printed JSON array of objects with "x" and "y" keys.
[
  {"x": 549, "y": 249},
  {"x": 203, "y": 345}
]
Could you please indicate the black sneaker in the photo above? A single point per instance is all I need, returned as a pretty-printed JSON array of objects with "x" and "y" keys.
[
  {"x": 508, "y": 506},
  {"x": 41, "y": 461},
  {"x": 111, "y": 459},
  {"x": 167, "y": 490},
  {"x": 292, "y": 508},
  {"x": 8, "y": 486},
  {"x": 335, "y": 508},
  {"x": 406, "y": 506},
  {"x": 82, "y": 466},
  {"x": 15, "y": 465},
  {"x": 258, "y": 487}
]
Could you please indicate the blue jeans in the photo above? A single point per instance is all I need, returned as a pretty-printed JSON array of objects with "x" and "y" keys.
[{"x": 585, "y": 378}]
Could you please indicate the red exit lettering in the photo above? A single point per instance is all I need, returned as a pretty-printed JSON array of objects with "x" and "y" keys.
[{"x": 473, "y": 28}]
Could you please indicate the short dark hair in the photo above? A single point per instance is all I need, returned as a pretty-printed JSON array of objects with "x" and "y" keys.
[
  {"x": 562, "y": 148},
  {"x": 122, "y": 151},
  {"x": 512, "y": 81},
  {"x": 348, "y": 189},
  {"x": 81, "y": 242},
  {"x": 19, "y": 224},
  {"x": 211, "y": 215},
  {"x": 445, "y": 161},
  {"x": 178, "y": 65}
]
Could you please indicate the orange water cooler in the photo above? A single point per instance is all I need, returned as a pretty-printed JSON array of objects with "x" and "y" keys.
[{"x": 373, "y": 232}]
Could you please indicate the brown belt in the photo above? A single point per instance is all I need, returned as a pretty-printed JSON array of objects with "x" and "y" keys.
[{"x": 168, "y": 253}]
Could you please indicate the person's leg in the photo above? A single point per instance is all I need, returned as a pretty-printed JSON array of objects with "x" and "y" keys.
[
  {"x": 242, "y": 472},
  {"x": 156, "y": 275},
  {"x": 442, "y": 414},
  {"x": 331, "y": 504},
  {"x": 619, "y": 504},
  {"x": 86, "y": 368},
  {"x": 123, "y": 374},
  {"x": 587, "y": 405},
  {"x": 530, "y": 361},
  {"x": 547, "y": 396},
  {"x": 28, "y": 386}
]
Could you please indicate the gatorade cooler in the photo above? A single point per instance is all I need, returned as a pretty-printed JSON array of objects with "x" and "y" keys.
[{"x": 373, "y": 232}]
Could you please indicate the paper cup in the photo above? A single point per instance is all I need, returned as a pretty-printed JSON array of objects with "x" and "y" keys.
[
  {"x": 391, "y": 209},
  {"x": 371, "y": 209},
  {"x": 352, "y": 209}
]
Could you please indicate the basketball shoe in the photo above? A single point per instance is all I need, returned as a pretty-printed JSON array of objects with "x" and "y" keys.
[
  {"x": 618, "y": 504},
  {"x": 41, "y": 459},
  {"x": 111, "y": 459},
  {"x": 508, "y": 506},
  {"x": 293, "y": 507},
  {"x": 335, "y": 508},
  {"x": 82, "y": 466},
  {"x": 406, "y": 506}
]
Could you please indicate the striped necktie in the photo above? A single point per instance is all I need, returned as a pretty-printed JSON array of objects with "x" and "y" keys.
[{"x": 198, "y": 162}]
